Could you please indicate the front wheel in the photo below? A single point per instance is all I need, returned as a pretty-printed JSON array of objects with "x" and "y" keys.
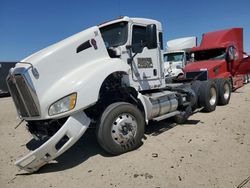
[{"x": 120, "y": 128}]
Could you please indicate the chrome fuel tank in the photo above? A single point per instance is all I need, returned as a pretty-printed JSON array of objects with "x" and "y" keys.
[{"x": 161, "y": 103}]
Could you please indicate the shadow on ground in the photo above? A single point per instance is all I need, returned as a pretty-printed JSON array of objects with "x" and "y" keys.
[
  {"x": 81, "y": 151},
  {"x": 155, "y": 128},
  {"x": 3, "y": 95},
  {"x": 88, "y": 146}
]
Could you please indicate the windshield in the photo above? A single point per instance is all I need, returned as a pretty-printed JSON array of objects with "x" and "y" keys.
[
  {"x": 115, "y": 35},
  {"x": 214, "y": 54},
  {"x": 174, "y": 56}
]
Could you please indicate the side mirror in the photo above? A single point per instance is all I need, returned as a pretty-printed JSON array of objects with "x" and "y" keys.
[
  {"x": 230, "y": 54},
  {"x": 151, "y": 36}
]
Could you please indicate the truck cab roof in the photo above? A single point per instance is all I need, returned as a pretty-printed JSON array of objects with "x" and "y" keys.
[
  {"x": 221, "y": 39},
  {"x": 143, "y": 21}
]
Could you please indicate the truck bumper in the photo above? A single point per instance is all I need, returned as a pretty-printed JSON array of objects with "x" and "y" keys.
[{"x": 72, "y": 129}]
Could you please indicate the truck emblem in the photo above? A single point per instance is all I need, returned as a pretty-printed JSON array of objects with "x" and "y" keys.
[{"x": 93, "y": 42}]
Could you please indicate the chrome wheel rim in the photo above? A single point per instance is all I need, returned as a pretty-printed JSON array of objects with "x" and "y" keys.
[
  {"x": 124, "y": 128},
  {"x": 226, "y": 91},
  {"x": 212, "y": 100}
]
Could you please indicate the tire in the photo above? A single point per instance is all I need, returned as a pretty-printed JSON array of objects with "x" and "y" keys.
[
  {"x": 195, "y": 86},
  {"x": 208, "y": 96},
  {"x": 120, "y": 128},
  {"x": 224, "y": 91}
]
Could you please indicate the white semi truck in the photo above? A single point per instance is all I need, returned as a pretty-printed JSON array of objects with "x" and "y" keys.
[
  {"x": 176, "y": 56},
  {"x": 110, "y": 76}
]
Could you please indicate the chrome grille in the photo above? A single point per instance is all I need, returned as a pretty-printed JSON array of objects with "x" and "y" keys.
[{"x": 22, "y": 96}]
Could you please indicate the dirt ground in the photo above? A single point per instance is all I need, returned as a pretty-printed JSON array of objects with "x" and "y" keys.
[{"x": 210, "y": 150}]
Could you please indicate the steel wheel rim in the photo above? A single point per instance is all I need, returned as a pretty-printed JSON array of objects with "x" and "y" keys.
[
  {"x": 212, "y": 99},
  {"x": 124, "y": 128},
  {"x": 226, "y": 91}
]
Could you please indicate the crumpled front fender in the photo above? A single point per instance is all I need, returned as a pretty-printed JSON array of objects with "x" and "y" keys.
[{"x": 73, "y": 129}]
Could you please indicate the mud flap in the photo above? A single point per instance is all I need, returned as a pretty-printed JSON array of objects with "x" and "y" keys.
[{"x": 73, "y": 129}]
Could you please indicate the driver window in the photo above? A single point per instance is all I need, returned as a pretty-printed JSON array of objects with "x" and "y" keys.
[{"x": 138, "y": 38}]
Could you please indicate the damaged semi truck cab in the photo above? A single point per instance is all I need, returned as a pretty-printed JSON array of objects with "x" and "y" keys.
[
  {"x": 176, "y": 56},
  {"x": 110, "y": 76}
]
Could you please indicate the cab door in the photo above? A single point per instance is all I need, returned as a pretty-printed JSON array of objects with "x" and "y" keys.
[{"x": 146, "y": 62}]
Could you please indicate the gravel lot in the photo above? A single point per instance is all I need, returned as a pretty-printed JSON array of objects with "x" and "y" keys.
[{"x": 210, "y": 150}]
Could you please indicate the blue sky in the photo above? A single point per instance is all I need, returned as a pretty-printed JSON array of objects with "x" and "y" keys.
[{"x": 27, "y": 26}]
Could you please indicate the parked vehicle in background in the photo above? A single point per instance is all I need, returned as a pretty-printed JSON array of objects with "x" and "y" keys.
[
  {"x": 246, "y": 76},
  {"x": 110, "y": 76},
  {"x": 246, "y": 79},
  {"x": 218, "y": 56},
  {"x": 176, "y": 56},
  {"x": 4, "y": 71}
]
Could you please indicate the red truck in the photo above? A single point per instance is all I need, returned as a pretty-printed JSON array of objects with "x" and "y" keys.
[{"x": 220, "y": 55}]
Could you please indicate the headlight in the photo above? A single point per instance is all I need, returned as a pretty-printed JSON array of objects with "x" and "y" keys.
[{"x": 63, "y": 105}]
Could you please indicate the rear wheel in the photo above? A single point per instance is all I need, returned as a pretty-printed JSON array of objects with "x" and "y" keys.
[
  {"x": 208, "y": 96},
  {"x": 224, "y": 91},
  {"x": 121, "y": 128}
]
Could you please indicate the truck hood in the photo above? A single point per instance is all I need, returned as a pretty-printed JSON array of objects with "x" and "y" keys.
[
  {"x": 79, "y": 64},
  {"x": 202, "y": 65},
  {"x": 53, "y": 62}
]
